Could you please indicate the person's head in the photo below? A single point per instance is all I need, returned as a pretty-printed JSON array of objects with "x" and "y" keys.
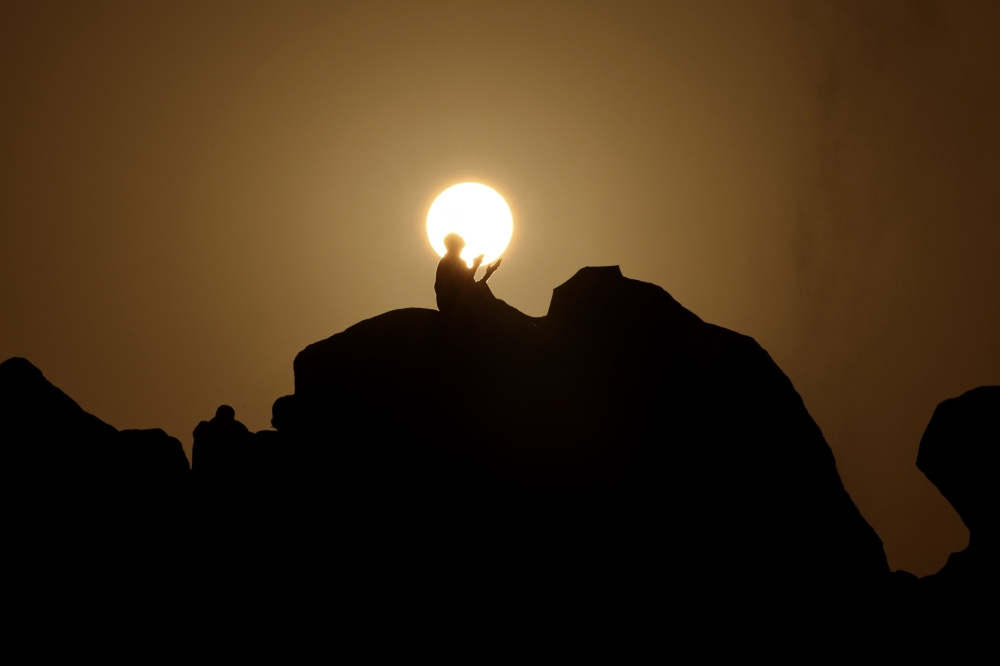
[
  {"x": 224, "y": 413},
  {"x": 454, "y": 244}
]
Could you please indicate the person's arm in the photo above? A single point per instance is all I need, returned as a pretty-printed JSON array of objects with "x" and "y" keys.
[
  {"x": 491, "y": 269},
  {"x": 475, "y": 267}
]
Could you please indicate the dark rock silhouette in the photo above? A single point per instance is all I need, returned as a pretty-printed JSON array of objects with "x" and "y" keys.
[
  {"x": 150, "y": 462},
  {"x": 52, "y": 437},
  {"x": 150, "y": 504},
  {"x": 614, "y": 456},
  {"x": 94, "y": 510},
  {"x": 72, "y": 462},
  {"x": 960, "y": 454},
  {"x": 45, "y": 431},
  {"x": 619, "y": 434}
]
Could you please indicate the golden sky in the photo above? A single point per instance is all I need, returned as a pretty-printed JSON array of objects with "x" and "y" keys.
[{"x": 190, "y": 193}]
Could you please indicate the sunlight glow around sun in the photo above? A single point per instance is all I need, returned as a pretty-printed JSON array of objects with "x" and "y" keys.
[{"x": 475, "y": 212}]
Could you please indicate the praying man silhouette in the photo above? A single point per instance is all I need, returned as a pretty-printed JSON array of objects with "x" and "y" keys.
[{"x": 455, "y": 283}]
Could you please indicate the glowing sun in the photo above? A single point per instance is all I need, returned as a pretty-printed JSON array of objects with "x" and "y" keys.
[{"x": 475, "y": 212}]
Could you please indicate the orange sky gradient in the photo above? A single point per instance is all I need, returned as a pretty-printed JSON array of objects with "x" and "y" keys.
[{"x": 193, "y": 192}]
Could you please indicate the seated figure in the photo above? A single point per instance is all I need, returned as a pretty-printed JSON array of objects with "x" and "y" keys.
[
  {"x": 455, "y": 284},
  {"x": 220, "y": 444}
]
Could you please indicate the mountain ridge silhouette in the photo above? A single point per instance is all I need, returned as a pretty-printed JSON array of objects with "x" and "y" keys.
[{"x": 615, "y": 452}]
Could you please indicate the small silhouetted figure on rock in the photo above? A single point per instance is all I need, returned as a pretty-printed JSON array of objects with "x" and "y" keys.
[
  {"x": 219, "y": 443},
  {"x": 455, "y": 284}
]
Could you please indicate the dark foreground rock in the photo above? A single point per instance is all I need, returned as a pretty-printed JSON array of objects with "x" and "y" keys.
[
  {"x": 954, "y": 609},
  {"x": 93, "y": 513},
  {"x": 62, "y": 456},
  {"x": 960, "y": 454},
  {"x": 618, "y": 461},
  {"x": 617, "y": 446},
  {"x": 45, "y": 432}
]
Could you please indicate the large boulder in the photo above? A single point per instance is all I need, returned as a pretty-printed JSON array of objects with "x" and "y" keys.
[
  {"x": 619, "y": 440},
  {"x": 150, "y": 466},
  {"x": 960, "y": 454},
  {"x": 57, "y": 456},
  {"x": 72, "y": 473},
  {"x": 45, "y": 431}
]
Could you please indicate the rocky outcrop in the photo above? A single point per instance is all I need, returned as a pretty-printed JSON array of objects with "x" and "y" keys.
[
  {"x": 620, "y": 438},
  {"x": 45, "y": 432},
  {"x": 150, "y": 464},
  {"x": 73, "y": 473},
  {"x": 960, "y": 454},
  {"x": 614, "y": 456}
]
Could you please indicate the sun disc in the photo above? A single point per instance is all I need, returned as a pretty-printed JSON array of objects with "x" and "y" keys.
[{"x": 475, "y": 212}]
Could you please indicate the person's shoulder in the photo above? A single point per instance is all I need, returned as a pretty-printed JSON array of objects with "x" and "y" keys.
[{"x": 449, "y": 264}]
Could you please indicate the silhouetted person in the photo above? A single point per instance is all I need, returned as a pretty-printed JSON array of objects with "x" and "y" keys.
[
  {"x": 455, "y": 283},
  {"x": 218, "y": 443}
]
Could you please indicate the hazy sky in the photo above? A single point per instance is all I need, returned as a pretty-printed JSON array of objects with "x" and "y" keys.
[{"x": 191, "y": 193}]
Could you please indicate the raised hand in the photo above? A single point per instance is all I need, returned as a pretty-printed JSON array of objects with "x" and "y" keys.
[{"x": 492, "y": 268}]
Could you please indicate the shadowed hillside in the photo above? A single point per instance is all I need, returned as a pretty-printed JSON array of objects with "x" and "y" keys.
[{"x": 614, "y": 453}]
